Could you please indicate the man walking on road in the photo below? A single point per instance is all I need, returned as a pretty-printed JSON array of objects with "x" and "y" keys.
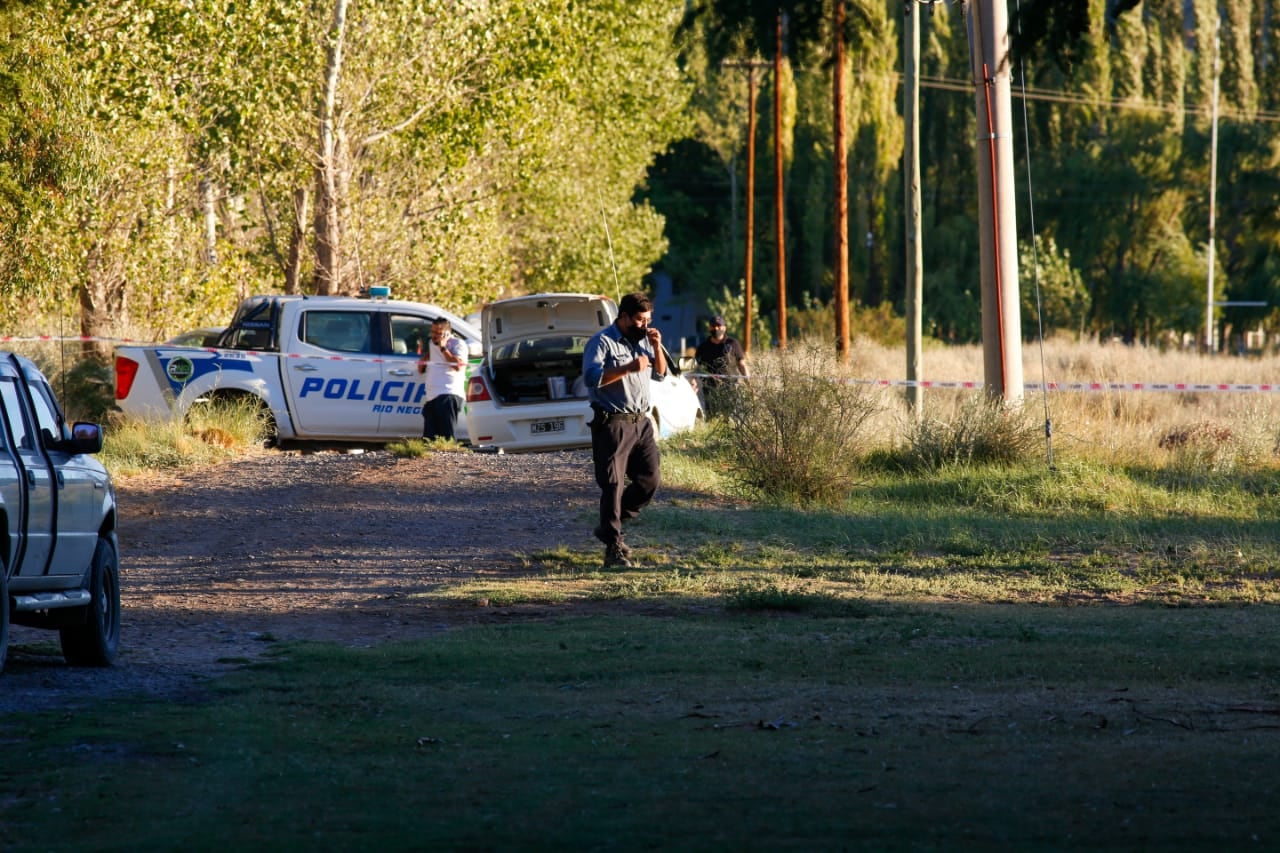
[{"x": 617, "y": 366}]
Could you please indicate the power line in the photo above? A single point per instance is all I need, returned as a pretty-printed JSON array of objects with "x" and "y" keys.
[{"x": 951, "y": 84}]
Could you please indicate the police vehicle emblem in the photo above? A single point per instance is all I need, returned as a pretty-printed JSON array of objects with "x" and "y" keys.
[{"x": 180, "y": 369}]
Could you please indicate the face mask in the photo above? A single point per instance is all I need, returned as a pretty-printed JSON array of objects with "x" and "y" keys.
[{"x": 635, "y": 334}]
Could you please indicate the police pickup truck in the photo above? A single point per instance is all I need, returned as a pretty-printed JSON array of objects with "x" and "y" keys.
[
  {"x": 58, "y": 544},
  {"x": 330, "y": 369}
]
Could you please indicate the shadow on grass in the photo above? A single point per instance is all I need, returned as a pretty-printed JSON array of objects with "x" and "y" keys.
[
  {"x": 943, "y": 726},
  {"x": 943, "y": 528}
]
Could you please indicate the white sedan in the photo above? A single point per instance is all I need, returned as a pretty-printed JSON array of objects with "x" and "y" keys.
[{"x": 528, "y": 392}]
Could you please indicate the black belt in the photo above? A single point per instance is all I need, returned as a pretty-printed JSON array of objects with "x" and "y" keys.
[{"x": 630, "y": 417}]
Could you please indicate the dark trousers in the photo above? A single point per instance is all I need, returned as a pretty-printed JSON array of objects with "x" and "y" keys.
[
  {"x": 713, "y": 393},
  {"x": 624, "y": 450},
  {"x": 440, "y": 416}
]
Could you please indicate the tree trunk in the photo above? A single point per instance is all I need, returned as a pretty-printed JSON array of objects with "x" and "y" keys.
[
  {"x": 210, "y": 210},
  {"x": 98, "y": 296},
  {"x": 297, "y": 239},
  {"x": 749, "y": 262},
  {"x": 328, "y": 225}
]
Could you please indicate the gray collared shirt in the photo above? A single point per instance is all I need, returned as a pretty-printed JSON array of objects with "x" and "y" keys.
[{"x": 608, "y": 348}]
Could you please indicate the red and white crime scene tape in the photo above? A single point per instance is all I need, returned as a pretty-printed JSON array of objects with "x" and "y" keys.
[
  {"x": 84, "y": 339},
  {"x": 1238, "y": 387},
  {"x": 1176, "y": 387},
  {"x": 1212, "y": 387}
]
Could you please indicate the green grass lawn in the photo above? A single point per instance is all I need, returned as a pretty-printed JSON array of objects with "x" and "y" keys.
[
  {"x": 903, "y": 726},
  {"x": 978, "y": 658}
]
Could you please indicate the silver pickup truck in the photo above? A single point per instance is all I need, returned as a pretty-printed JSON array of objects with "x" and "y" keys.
[{"x": 61, "y": 568}]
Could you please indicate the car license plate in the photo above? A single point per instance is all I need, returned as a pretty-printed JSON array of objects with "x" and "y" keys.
[{"x": 540, "y": 427}]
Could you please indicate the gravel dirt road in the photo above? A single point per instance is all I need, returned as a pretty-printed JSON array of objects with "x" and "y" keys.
[{"x": 218, "y": 564}]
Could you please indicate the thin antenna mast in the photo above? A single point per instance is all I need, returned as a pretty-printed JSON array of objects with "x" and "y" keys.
[
  {"x": 617, "y": 285},
  {"x": 1035, "y": 256}
]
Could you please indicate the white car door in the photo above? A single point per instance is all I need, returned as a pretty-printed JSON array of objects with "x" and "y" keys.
[
  {"x": 404, "y": 389},
  {"x": 335, "y": 380}
]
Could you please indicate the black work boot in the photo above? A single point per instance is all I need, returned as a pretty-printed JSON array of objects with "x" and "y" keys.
[
  {"x": 605, "y": 535},
  {"x": 615, "y": 557}
]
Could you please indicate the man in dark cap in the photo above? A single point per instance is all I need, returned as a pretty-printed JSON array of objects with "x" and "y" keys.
[{"x": 720, "y": 356}]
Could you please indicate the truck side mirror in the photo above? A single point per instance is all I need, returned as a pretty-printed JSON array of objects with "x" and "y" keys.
[{"x": 85, "y": 438}]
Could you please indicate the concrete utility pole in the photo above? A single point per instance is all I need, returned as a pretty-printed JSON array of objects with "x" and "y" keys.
[
  {"x": 911, "y": 177},
  {"x": 997, "y": 219},
  {"x": 751, "y": 66},
  {"x": 1209, "y": 336}
]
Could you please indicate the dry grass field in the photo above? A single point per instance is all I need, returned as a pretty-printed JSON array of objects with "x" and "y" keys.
[{"x": 1218, "y": 429}]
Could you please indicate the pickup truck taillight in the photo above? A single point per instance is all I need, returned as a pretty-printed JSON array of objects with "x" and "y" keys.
[
  {"x": 477, "y": 391},
  {"x": 126, "y": 370}
]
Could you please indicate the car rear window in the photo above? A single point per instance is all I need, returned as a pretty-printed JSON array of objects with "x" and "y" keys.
[{"x": 542, "y": 349}]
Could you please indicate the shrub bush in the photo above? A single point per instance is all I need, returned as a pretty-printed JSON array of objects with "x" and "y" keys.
[
  {"x": 983, "y": 430},
  {"x": 792, "y": 432},
  {"x": 1204, "y": 447},
  {"x": 84, "y": 385}
]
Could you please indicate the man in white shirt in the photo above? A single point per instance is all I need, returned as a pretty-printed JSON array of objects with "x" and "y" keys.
[{"x": 444, "y": 360}]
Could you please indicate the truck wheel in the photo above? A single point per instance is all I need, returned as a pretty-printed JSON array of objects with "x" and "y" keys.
[
  {"x": 4, "y": 616},
  {"x": 95, "y": 642},
  {"x": 251, "y": 404},
  {"x": 269, "y": 433}
]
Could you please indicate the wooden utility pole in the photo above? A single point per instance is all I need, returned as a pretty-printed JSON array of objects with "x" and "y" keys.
[
  {"x": 778, "y": 206},
  {"x": 751, "y": 67},
  {"x": 911, "y": 173},
  {"x": 841, "y": 272},
  {"x": 997, "y": 221}
]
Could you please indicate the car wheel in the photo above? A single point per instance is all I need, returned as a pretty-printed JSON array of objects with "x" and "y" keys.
[
  {"x": 95, "y": 642},
  {"x": 4, "y": 616}
]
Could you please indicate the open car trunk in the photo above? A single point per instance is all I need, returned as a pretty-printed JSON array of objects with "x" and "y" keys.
[
  {"x": 535, "y": 345},
  {"x": 538, "y": 370}
]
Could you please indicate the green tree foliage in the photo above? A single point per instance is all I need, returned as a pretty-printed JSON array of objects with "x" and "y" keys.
[
  {"x": 873, "y": 113},
  {"x": 476, "y": 149},
  {"x": 1129, "y": 197},
  {"x": 38, "y": 156},
  {"x": 1054, "y": 295},
  {"x": 619, "y": 101},
  {"x": 730, "y": 304},
  {"x": 158, "y": 158},
  {"x": 1117, "y": 154}
]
